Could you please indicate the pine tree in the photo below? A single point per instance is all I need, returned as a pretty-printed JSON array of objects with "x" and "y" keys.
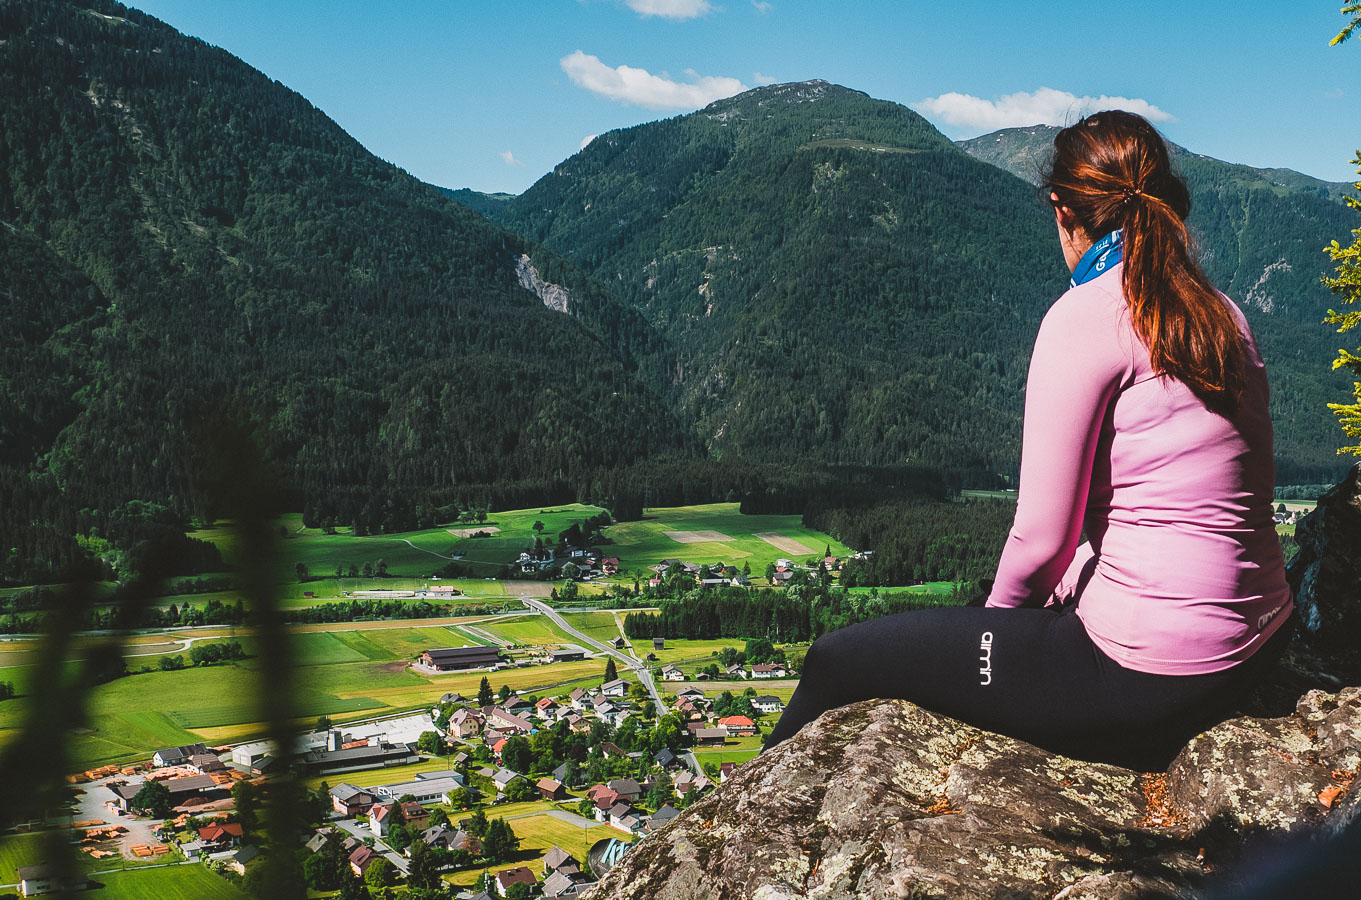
[
  {"x": 485, "y": 697},
  {"x": 611, "y": 673}
]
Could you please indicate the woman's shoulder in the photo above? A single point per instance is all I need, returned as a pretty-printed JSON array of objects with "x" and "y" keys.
[
  {"x": 1098, "y": 302},
  {"x": 1088, "y": 328}
]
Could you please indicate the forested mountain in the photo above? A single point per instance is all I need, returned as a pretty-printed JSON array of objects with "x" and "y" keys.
[
  {"x": 842, "y": 283},
  {"x": 1261, "y": 234},
  {"x": 184, "y": 240},
  {"x": 487, "y": 204},
  {"x": 799, "y": 297}
]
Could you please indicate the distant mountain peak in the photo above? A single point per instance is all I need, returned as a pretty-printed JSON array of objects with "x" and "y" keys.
[
  {"x": 1024, "y": 151},
  {"x": 787, "y": 92}
]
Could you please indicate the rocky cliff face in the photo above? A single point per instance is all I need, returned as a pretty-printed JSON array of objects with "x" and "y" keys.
[
  {"x": 554, "y": 296},
  {"x": 885, "y": 799}
]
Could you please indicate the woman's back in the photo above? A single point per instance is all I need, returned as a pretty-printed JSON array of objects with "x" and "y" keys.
[{"x": 1179, "y": 508}]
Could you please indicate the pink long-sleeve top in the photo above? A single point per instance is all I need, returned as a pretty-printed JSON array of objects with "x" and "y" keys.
[{"x": 1182, "y": 573}]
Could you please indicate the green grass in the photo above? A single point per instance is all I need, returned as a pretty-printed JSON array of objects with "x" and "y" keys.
[
  {"x": 930, "y": 587},
  {"x": 538, "y": 834},
  {"x": 644, "y": 543},
  {"x": 685, "y": 650},
  {"x": 18, "y": 850},
  {"x": 345, "y": 672},
  {"x": 599, "y": 625},
  {"x": 192, "y": 882},
  {"x": 988, "y": 495},
  {"x": 409, "y": 555},
  {"x": 528, "y": 630},
  {"x": 321, "y": 648},
  {"x": 726, "y": 755}
]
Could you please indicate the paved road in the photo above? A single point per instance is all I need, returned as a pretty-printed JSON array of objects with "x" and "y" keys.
[
  {"x": 638, "y": 666},
  {"x": 362, "y": 831}
]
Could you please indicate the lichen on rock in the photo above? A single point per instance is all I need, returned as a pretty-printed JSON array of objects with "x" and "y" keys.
[{"x": 885, "y": 799}]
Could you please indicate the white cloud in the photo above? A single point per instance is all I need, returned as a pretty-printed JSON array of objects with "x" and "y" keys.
[
  {"x": 762, "y": 79},
  {"x": 1045, "y": 106},
  {"x": 641, "y": 88},
  {"x": 670, "y": 9},
  {"x": 762, "y": 6},
  {"x": 587, "y": 140},
  {"x": 509, "y": 158}
]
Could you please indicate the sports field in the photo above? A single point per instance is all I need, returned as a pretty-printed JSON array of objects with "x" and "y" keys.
[{"x": 711, "y": 533}]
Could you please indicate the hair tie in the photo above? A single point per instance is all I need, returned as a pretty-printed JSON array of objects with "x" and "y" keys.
[{"x": 1130, "y": 194}]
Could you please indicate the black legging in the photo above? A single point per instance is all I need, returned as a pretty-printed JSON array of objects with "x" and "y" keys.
[{"x": 1031, "y": 673}]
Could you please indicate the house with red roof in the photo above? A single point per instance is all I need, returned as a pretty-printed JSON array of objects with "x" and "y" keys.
[
  {"x": 738, "y": 725},
  {"x": 221, "y": 836}
]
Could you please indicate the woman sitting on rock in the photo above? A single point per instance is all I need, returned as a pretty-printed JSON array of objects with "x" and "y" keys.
[{"x": 1146, "y": 420}]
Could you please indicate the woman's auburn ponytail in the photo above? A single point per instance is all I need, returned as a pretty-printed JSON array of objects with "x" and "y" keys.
[
  {"x": 1189, "y": 330},
  {"x": 1113, "y": 170}
]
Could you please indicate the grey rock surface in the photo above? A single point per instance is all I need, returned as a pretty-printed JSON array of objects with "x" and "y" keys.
[
  {"x": 885, "y": 799},
  {"x": 1326, "y": 574}
]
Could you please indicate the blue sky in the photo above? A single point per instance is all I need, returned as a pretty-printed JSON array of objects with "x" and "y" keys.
[{"x": 491, "y": 95}]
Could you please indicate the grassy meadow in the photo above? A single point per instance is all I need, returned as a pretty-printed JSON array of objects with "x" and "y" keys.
[
  {"x": 413, "y": 554},
  {"x": 354, "y": 670},
  {"x": 191, "y": 882},
  {"x": 646, "y": 542}
]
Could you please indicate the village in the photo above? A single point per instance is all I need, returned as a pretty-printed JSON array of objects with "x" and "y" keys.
[
  {"x": 472, "y": 786},
  {"x": 578, "y": 744}
]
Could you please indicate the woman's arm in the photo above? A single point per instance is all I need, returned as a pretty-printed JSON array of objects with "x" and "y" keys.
[{"x": 1078, "y": 364}]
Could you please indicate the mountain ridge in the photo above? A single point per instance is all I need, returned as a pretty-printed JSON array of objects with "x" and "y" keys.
[
  {"x": 1014, "y": 149},
  {"x": 239, "y": 251},
  {"x": 690, "y": 225}
]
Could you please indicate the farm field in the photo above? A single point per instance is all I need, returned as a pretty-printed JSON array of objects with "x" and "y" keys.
[
  {"x": 351, "y": 670},
  {"x": 412, "y": 554},
  {"x": 533, "y": 629},
  {"x": 18, "y": 850},
  {"x": 187, "y": 882},
  {"x": 646, "y": 542},
  {"x": 600, "y": 625},
  {"x": 677, "y": 650}
]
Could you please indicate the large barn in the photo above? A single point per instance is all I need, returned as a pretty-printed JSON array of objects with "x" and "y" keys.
[{"x": 454, "y": 659}]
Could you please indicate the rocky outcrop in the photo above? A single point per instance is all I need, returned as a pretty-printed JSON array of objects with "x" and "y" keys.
[
  {"x": 554, "y": 296},
  {"x": 1326, "y": 574},
  {"x": 885, "y": 799}
]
